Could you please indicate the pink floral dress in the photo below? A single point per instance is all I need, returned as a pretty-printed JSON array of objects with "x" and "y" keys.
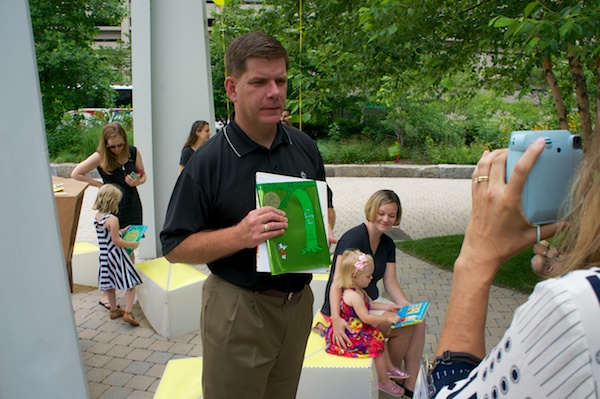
[{"x": 367, "y": 340}]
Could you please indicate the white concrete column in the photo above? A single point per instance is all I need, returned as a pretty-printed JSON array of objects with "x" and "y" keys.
[
  {"x": 39, "y": 347},
  {"x": 172, "y": 88}
]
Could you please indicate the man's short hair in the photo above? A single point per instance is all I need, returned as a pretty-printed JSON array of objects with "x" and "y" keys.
[{"x": 254, "y": 44}]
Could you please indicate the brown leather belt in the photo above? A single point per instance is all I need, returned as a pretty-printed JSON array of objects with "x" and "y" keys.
[{"x": 282, "y": 294}]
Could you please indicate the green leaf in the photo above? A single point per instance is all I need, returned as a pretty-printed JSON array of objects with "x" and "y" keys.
[
  {"x": 531, "y": 45},
  {"x": 566, "y": 27},
  {"x": 447, "y": 83},
  {"x": 530, "y": 7},
  {"x": 502, "y": 22}
]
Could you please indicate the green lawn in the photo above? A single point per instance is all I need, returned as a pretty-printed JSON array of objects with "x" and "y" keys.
[{"x": 442, "y": 251}]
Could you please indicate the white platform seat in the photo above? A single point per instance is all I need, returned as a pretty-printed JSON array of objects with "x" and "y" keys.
[
  {"x": 85, "y": 264},
  {"x": 170, "y": 296},
  {"x": 182, "y": 379},
  {"x": 323, "y": 375},
  {"x": 318, "y": 284},
  {"x": 335, "y": 377}
]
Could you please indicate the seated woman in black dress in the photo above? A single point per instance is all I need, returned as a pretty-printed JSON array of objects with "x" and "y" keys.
[{"x": 383, "y": 211}]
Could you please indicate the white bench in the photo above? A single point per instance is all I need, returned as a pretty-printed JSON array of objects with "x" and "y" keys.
[
  {"x": 318, "y": 284},
  {"x": 323, "y": 375},
  {"x": 85, "y": 264},
  {"x": 330, "y": 376},
  {"x": 170, "y": 296}
]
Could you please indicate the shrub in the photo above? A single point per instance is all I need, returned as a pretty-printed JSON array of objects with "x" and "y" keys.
[
  {"x": 76, "y": 139},
  {"x": 66, "y": 138},
  {"x": 352, "y": 151}
]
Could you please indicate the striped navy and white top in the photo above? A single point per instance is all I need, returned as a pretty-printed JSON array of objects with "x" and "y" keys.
[
  {"x": 116, "y": 270},
  {"x": 551, "y": 349}
]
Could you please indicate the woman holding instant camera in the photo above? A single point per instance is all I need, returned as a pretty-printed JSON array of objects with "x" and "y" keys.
[{"x": 551, "y": 348}]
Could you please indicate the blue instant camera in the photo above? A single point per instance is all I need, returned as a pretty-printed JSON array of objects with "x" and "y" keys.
[{"x": 551, "y": 175}]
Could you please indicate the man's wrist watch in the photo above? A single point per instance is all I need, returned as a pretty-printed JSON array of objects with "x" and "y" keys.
[{"x": 449, "y": 357}]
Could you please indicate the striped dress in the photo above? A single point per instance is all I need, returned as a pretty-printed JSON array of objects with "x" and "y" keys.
[{"x": 116, "y": 270}]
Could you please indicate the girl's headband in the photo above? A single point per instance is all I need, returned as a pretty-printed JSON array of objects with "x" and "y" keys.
[{"x": 361, "y": 262}]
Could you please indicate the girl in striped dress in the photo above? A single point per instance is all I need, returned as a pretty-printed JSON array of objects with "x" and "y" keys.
[{"x": 116, "y": 269}]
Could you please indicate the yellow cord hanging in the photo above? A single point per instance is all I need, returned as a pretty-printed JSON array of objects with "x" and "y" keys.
[
  {"x": 300, "y": 68},
  {"x": 224, "y": 66},
  {"x": 221, "y": 4}
]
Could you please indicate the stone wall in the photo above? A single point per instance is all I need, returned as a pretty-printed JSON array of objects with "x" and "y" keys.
[
  {"x": 65, "y": 169},
  {"x": 351, "y": 170},
  {"x": 393, "y": 170}
]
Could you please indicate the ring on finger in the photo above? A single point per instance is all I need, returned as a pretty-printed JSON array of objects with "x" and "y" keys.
[
  {"x": 266, "y": 228},
  {"x": 480, "y": 179}
]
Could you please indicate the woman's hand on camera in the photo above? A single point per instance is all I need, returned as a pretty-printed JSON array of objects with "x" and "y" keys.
[{"x": 497, "y": 228}]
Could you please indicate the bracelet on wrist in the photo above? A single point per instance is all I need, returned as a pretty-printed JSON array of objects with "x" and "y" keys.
[{"x": 449, "y": 357}]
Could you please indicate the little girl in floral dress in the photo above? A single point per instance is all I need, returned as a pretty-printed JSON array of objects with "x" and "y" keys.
[{"x": 354, "y": 274}]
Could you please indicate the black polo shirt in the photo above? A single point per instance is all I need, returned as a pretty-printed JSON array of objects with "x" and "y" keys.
[{"x": 217, "y": 189}]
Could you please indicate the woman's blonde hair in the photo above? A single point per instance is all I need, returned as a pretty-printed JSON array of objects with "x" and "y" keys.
[
  {"x": 578, "y": 239},
  {"x": 379, "y": 198},
  {"x": 109, "y": 161},
  {"x": 108, "y": 199},
  {"x": 350, "y": 267}
]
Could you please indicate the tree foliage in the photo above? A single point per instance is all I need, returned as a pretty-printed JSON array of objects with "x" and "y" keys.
[
  {"x": 392, "y": 52},
  {"x": 326, "y": 60},
  {"x": 71, "y": 72},
  {"x": 566, "y": 34}
]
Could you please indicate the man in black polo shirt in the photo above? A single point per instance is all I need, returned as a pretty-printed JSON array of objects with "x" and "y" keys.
[{"x": 254, "y": 326}]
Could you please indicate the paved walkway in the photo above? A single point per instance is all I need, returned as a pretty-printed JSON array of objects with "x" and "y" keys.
[{"x": 127, "y": 362}]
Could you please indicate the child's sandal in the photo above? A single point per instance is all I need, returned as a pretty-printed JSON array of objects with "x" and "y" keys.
[
  {"x": 392, "y": 389},
  {"x": 398, "y": 374},
  {"x": 130, "y": 318},
  {"x": 115, "y": 314}
]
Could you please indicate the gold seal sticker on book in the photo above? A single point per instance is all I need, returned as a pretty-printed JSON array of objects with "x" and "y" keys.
[{"x": 272, "y": 199}]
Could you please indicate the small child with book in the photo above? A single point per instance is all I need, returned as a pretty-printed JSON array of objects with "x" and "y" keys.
[
  {"x": 116, "y": 270},
  {"x": 355, "y": 273}
]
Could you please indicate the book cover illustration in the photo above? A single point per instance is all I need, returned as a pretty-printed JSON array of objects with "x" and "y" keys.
[
  {"x": 135, "y": 232},
  {"x": 412, "y": 314},
  {"x": 304, "y": 244}
]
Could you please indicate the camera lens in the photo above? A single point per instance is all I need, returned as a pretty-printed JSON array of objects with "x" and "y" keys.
[{"x": 577, "y": 142}]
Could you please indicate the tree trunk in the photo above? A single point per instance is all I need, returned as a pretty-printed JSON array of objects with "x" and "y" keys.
[
  {"x": 561, "y": 111},
  {"x": 582, "y": 97},
  {"x": 596, "y": 131}
]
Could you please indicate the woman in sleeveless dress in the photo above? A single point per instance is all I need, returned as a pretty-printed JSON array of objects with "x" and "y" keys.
[{"x": 121, "y": 165}]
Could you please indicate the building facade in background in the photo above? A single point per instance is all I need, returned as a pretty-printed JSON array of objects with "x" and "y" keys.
[{"x": 110, "y": 35}]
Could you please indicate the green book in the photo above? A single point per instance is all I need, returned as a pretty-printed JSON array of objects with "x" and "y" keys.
[
  {"x": 304, "y": 245},
  {"x": 135, "y": 232}
]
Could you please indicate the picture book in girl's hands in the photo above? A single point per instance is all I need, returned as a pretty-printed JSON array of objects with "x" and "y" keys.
[
  {"x": 412, "y": 314},
  {"x": 135, "y": 232}
]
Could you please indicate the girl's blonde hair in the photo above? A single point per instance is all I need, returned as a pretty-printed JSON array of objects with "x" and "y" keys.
[
  {"x": 108, "y": 199},
  {"x": 352, "y": 263}
]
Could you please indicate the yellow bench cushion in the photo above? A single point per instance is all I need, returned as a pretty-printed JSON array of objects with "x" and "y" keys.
[
  {"x": 170, "y": 276},
  {"x": 82, "y": 247},
  {"x": 182, "y": 379}
]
